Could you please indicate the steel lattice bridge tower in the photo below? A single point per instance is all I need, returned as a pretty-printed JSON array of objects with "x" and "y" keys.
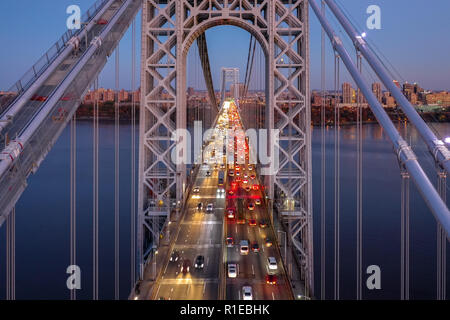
[{"x": 169, "y": 28}]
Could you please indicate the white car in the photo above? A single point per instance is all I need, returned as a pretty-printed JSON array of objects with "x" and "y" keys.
[
  {"x": 244, "y": 247},
  {"x": 272, "y": 263},
  {"x": 247, "y": 293},
  {"x": 232, "y": 270},
  {"x": 209, "y": 208}
]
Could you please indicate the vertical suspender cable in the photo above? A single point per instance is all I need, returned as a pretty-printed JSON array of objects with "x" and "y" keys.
[
  {"x": 8, "y": 258},
  {"x": 441, "y": 242},
  {"x": 404, "y": 252},
  {"x": 323, "y": 168},
  {"x": 95, "y": 195},
  {"x": 73, "y": 193},
  {"x": 133, "y": 155},
  {"x": 359, "y": 187},
  {"x": 116, "y": 184},
  {"x": 337, "y": 169},
  {"x": 11, "y": 255}
]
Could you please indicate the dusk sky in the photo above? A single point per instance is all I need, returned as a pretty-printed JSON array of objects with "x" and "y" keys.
[{"x": 414, "y": 37}]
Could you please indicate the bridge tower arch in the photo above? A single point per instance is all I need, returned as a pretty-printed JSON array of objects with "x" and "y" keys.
[{"x": 169, "y": 27}]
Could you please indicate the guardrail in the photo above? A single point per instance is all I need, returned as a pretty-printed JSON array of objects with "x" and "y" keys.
[{"x": 46, "y": 59}]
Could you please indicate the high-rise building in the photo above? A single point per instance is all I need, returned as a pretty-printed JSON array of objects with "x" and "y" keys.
[
  {"x": 190, "y": 91},
  {"x": 346, "y": 92},
  {"x": 376, "y": 89}
]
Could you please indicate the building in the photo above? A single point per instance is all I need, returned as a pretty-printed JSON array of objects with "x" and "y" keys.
[
  {"x": 438, "y": 98},
  {"x": 376, "y": 89},
  {"x": 109, "y": 96},
  {"x": 347, "y": 95},
  {"x": 124, "y": 96}
]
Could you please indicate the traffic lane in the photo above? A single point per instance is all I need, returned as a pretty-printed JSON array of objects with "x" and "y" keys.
[
  {"x": 200, "y": 233},
  {"x": 211, "y": 259},
  {"x": 186, "y": 289}
]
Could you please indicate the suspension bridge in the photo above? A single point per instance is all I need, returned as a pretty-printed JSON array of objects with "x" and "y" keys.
[{"x": 231, "y": 225}]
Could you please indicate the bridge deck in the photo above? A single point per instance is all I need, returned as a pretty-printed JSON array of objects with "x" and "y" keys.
[{"x": 203, "y": 233}]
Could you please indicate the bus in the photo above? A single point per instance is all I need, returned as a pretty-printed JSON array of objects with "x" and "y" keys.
[{"x": 221, "y": 177}]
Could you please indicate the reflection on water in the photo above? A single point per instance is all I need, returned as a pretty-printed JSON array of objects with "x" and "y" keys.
[{"x": 43, "y": 216}]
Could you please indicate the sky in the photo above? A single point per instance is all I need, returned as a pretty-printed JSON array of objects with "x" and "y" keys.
[{"x": 414, "y": 37}]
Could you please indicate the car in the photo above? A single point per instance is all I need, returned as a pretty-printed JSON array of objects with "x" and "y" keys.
[
  {"x": 232, "y": 270},
  {"x": 208, "y": 173},
  {"x": 102, "y": 22},
  {"x": 247, "y": 293},
  {"x": 243, "y": 244},
  {"x": 272, "y": 263},
  {"x": 220, "y": 193},
  {"x": 196, "y": 190},
  {"x": 247, "y": 188},
  {"x": 199, "y": 262},
  {"x": 185, "y": 266},
  {"x": 231, "y": 173},
  {"x": 252, "y": 222},
  {"x": 230, "y": 213},
  {"x": 240, "y": 220},
  {"x": 263, "y": 224},
  {"x": 251, "y": 206},
  {"x": 255, "y": 187},
  {"x": 237, "y": 173},
  {"x": 250, "y": 168},
  {"x": 255, "y": 247},
  {"x": 245, "y": 176},
  {"x": 174, "y": 256},
  {"x": 38, "y": 98},
  {"x": 222, "y": 166},
  {"x": 268, "y": 242},
  {"x": 258, "y": 202},
  {"x": 253, "y": 177},
  {"x": 229, "y": 241},
  {"x": 231, "y": 192},
  {"x": 271, "y": 279},
  {"x": 200, "y": 206},
  {"x": 245, "y": 181},
  {"x": 209, "y": 208}
]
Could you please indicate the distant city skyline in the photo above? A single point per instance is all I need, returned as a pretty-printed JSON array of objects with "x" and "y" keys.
[{"x": 411, "y": 37}]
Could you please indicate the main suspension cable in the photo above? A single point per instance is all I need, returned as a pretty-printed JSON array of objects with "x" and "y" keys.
[{"x": 323, "y": 169}]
